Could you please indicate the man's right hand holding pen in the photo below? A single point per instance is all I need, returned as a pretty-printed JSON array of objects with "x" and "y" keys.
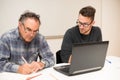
[{"x": 29, "y": 68}]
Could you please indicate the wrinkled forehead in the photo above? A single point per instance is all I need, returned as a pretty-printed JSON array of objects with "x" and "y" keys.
[{"x": 32, "y": 24}]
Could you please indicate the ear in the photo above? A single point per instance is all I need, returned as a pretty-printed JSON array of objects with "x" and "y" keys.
[
  {"x": 19, "y": 24},
  {"x": 93, "y": 23}
]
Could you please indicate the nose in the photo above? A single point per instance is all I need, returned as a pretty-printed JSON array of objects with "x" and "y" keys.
[{"x": 32, "y": 33}]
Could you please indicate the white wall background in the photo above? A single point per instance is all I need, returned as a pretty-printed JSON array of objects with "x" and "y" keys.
[
  {"x": 58, "y": 15},
  {"x": 111, "y": 25}
]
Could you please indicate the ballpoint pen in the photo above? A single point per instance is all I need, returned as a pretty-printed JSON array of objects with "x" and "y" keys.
[
  {"x": 32, "y": 58},
  {"x": 24, "y": 59},
  {"x": 108, "y": 61}
]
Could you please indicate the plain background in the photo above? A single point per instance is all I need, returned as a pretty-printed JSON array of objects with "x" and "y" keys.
[
  {"x": 56, "y": 15},
  {"x": 59, "y": 15}
]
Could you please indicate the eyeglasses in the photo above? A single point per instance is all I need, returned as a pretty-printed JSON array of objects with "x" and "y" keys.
[
  {"x": 84, "y": 24},
  {"x": 27, "y": 29}
]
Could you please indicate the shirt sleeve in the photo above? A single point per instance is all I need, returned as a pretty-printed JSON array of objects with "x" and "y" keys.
[
  {"x": 99, "y": 35},
  {"x": 5, "y": 64},
  {"x": 66, "y": 48}
]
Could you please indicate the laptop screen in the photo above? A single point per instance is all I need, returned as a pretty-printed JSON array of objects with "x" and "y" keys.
[{"x": 88, "y": 56}]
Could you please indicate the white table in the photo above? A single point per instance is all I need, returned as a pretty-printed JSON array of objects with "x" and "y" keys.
[{"x": 110, "y": 71}]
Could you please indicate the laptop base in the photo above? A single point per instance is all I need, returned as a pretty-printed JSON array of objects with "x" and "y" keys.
[{"x": 66, "y": 72}]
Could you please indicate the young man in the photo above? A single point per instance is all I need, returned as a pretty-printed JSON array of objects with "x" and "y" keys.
[
  {"x": 84, "y": 31},
  {"x": 20, "y": 47}
]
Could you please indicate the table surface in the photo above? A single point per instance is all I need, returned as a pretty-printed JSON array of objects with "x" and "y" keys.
[{"x": 110, "y": 71}]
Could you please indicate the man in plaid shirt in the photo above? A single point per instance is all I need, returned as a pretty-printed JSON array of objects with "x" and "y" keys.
[{"x": 21, "y": 47}]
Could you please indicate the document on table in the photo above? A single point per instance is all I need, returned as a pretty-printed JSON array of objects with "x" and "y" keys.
[{"x": 48, "y": 76}]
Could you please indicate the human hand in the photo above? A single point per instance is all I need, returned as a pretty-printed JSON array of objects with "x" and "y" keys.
[
  {"x": 69, "y": 61},
  {"x": 35, "y": 66},
  {"x": 25, "y": 69}
]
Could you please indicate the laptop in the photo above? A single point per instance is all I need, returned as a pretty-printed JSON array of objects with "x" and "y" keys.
[{"x": 86, "y": 57}]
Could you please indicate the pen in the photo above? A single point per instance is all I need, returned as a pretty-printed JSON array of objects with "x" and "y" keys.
[
  {"x": 108, "y": 61},
  {"x": 26, "y": 63},
  {"x": 24, "y": 59}
]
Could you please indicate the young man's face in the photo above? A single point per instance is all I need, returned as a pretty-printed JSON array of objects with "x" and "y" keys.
[
  {"x": 85, "y": 24},
  {"x": 29, "y": 29}
]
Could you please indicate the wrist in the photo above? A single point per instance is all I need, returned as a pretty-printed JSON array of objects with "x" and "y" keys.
[{"x": 44, "y": 63}]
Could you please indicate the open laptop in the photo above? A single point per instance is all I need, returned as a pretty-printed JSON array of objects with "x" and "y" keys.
[{"x": 86, "y": 57}]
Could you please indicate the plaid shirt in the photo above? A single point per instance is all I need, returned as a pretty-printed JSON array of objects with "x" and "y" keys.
[{"x": 13, "y": 47}]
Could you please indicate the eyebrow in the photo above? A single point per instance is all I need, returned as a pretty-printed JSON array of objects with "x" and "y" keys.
[
  {"x": 32, "y": 30},
  {"x": 85, "y": 22}
]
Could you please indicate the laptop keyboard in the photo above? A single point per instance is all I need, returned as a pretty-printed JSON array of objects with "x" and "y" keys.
[{"x": 65, "y": 68}]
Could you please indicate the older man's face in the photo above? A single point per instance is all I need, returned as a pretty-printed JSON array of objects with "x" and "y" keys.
[{"x": 29, "y": 29}]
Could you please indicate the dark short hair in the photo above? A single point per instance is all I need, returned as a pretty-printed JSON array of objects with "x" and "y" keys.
[
  {"x": 88, "y": 11},
  {"x": 29, "y": 14}
]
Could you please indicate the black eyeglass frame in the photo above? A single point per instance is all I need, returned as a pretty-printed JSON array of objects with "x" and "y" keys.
[{"x": 84, "y": 24}]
